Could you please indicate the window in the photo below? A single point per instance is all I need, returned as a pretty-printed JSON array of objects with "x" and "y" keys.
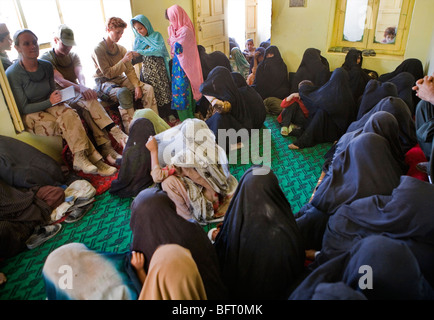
[{"x": 380, "y": 25}]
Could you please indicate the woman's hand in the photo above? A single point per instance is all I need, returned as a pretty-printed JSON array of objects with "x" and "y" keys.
[
  {"x": 152, "y": 144},
  {"x": 55, "y": 97}
]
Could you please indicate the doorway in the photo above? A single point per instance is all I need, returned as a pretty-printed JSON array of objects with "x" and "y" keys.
[{"x": 249, "y": 19}]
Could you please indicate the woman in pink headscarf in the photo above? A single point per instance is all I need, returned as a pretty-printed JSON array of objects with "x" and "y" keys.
[{"x": 186, "y": 70}]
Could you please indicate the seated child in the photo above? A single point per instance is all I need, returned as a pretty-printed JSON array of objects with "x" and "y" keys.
[
  {"x": 293, "y": 117},
  {"x": 249, "y": 51}
]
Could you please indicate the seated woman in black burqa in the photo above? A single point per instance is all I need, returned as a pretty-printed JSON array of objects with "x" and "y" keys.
[
  {"x": 331, "y": 110},
  {"x": 234, "y": 108},
  {"x": 272, "y": 75},
  {"x": 413, "y": 66},
  {"x": 259, "y": 246},
  {"x": 359, "y": 78},
  {"x": 313, "y": 67}
]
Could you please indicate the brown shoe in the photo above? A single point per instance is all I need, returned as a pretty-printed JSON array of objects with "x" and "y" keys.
[
  {"x": 104, "y": 169},
  {"x": 119, "y": 136},
  {"x": 82, "y": 163},
  {"x": 109, "y": 153}
]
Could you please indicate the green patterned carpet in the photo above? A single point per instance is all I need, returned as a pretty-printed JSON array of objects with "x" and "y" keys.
[{"x": 106, "y": 226}]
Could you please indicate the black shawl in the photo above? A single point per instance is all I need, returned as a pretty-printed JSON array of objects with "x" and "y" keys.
[
  {"x": 366, "y": 166},
  {"x": 313, "y": 67},
  {"x": 135, "y": 171},
  {"x": 404, "y": 82},
  {"x": 400, "y": 110},
  {"x": 404, "y": 215},
  {"x": 154, "y": 222},
  {"x": 413, "y": 66},
  {"x": 272, "y": 76},
  {"x": 259, "y": 246},
  {"x": 374, "y": 92},
  {"x": 391, "y": 265},
  {"x": 211, "y": 60}
]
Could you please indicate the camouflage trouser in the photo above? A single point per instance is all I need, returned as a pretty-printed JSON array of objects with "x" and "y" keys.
[
  {"x": 95, "y": 116},
  {"x": 111, "y": 88},
  {"x": 62, "y": 120}
]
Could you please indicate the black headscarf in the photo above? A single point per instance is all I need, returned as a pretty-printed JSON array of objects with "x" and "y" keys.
[
  {"x": 313, "y": 67},
  {"x": 400, "y": 110},
  {"x": 334, "y": 97},
  {"x": 135, "y": 171},
  {"x": 405, "y": 215},
  {"x": 394, "y": 269},
  {"x": 384, "y": 124},
  {"x": 413, "y": 66},
  {"x": 404, "y": 82},
  {"x": 211, "y": 60},
  {"x": 154, "y": 222},
  {"x": 374, "y": 92},
  {"x": 272, "y": 76},
  {"x": 259, "y": 246}
]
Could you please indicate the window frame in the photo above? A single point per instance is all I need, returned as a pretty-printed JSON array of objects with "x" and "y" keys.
[{"x": 367, "y": 43}]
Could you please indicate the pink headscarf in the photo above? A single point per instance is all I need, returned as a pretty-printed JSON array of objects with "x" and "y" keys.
[{"x": 181, "y": 30}]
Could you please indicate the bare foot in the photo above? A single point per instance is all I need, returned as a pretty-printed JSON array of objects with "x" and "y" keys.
[
  {"x": 293, "y": 147},
  {"x": 111, "y": 160}
]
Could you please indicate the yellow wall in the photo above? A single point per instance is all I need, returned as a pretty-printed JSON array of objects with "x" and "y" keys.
[{"x": 296, "y": 29}]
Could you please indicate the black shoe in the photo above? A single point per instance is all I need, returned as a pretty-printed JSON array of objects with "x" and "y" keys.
[
  {"x": 42, "y": 234},
  {"x": 296, "y": 133},
  {"x": 76, "y": 213},
  {"x": 423, "y": 167}
]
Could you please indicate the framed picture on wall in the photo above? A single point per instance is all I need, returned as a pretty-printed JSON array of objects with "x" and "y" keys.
[{"x": 297, "y": 3}]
